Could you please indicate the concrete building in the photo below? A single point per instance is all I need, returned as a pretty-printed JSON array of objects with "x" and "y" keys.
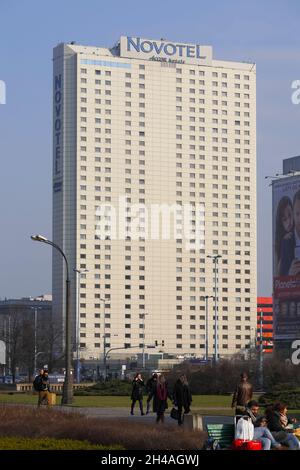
[
  {"x": 146, "y": 125},
  {"x": 265, "y": 317},
  {"x": 25, "y": 326}
]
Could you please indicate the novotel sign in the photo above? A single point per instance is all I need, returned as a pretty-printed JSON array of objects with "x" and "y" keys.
[{"x": 139, "y": 48}]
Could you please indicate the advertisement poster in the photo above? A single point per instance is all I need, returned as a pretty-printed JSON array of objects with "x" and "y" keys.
[{"x": 286, "y": 258}]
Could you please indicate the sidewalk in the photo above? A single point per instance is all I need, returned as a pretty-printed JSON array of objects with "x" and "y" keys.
[{"x": 124, "y": 413}]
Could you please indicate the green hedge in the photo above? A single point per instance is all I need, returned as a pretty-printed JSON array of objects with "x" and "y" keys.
[
  {"x": 26, "y": 443},
  {"x": 291, "y": 398},
  {"x": 112, "y": 388}
]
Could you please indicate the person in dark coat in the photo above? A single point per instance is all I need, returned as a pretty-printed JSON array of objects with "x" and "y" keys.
[
  {"x": 182, "y": 397},
  {"x": 161, "y": 398},
  {"x": 137, "y": 393},
  {"x": 151, "y": 390},
  {"x": 44, "y": 392},
  {"x": 242, "y": 395}
]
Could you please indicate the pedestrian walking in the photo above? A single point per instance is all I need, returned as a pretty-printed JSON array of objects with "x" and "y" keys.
[
  {"x": 161, "y": 400},
  {"x": 137, "y": 393},
  {"x": 151, "y": 390},
  {"x": 44, "y": 390},
  {"x": 182, "y": 397},
  {"x": 242, "y": 395}
]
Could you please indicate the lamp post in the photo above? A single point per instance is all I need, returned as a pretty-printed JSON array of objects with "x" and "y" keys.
[
  {"x": 67, "y": 396},
  {"x": 104, "y": 339},
  {"x": 206, "y": 297},
  {"x": 143, "y": 356},
  {"x": 37, "y": 354},
  {"x": 78, "y": 273},
  {"x": 261, "y": 350},
  {"x": 215, "y": 261},
  {"x": 35, "y": 336}
]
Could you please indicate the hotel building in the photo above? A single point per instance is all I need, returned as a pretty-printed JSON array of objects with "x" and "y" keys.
[{"x": 155, "y": 124}]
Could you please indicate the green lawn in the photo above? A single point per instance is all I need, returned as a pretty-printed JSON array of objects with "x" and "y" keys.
[
  {"x": 199, "y": 401},
  {"x": 28, "y": 443}
]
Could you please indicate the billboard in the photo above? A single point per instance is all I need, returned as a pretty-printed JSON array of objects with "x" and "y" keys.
[{"x": 286, "y": 258}]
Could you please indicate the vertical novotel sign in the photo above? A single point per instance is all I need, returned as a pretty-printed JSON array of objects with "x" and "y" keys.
[
  {"x": 58, "y": 95},
  {"x": 2, "y": 92},
  {"x": 164, "y": 50}
]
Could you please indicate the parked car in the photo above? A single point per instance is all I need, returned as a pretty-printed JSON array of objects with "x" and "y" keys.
[{"x": 6, "y": 379}]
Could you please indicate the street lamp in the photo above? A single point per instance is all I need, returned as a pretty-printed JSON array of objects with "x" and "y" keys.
[
  {"x": 78, "y": 273},
  {"x": 261, "y": 350},
  {"x": 37, "y": 354},
  {"x": 35, "y": 335},
  {"x": 67, "y": 396},
  {"x": 104, "y": 339},
  {"x": 143, "y": 356},
  {"x": 215, "y": 261},
  {"x": 206, "y": 297}
]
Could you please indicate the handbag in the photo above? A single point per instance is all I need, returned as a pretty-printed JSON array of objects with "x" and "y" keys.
[
  {"x": 174, "y": 413},
  {"x": 244, "y": 429}
]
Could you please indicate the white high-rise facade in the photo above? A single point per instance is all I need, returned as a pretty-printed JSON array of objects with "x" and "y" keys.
[{"x": 155, "y": 126}]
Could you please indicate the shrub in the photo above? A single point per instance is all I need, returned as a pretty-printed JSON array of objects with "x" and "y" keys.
[
  {"x": 112, "y": 388},
  {"x": 26, "y": 443},
  {"x": 30, "y": 423},
  {"x": 289, "y": 397}
]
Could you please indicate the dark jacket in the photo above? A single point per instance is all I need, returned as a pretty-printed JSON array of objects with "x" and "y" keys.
[
  {"x": 274, "y": 423},
  {"x": 182, "y": 395},
  {"x": 137, "y": 389},
  {"x": 151, "y": 386},
  {"x": 242, "y": 395}
]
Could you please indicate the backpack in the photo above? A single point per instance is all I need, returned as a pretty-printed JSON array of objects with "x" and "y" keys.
[{"x": 37, "y": 383}]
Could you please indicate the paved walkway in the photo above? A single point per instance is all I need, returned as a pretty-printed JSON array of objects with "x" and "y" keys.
[{"x": 124, "y": 414}]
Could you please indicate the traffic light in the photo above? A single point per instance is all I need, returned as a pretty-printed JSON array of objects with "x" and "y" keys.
[
  {"x": 156, "y": 342},
  {"x": 163, "y": 343}
]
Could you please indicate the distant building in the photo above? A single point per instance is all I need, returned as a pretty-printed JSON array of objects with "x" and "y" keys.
[
  {"x": 265, "y": 306},
  {"x": 26, "y": 329},
  {"x": 26, "y": 306}
]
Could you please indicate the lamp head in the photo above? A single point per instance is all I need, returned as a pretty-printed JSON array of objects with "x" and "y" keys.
[{"x": 39, "y": 238}]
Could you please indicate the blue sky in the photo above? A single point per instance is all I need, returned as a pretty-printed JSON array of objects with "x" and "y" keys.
[{"x": 266, "y": 32}]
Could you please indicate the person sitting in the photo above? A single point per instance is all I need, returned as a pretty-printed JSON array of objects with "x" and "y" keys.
[
  {"x": 261, "y": 432},
  {"x": 278, "y": 422}
]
